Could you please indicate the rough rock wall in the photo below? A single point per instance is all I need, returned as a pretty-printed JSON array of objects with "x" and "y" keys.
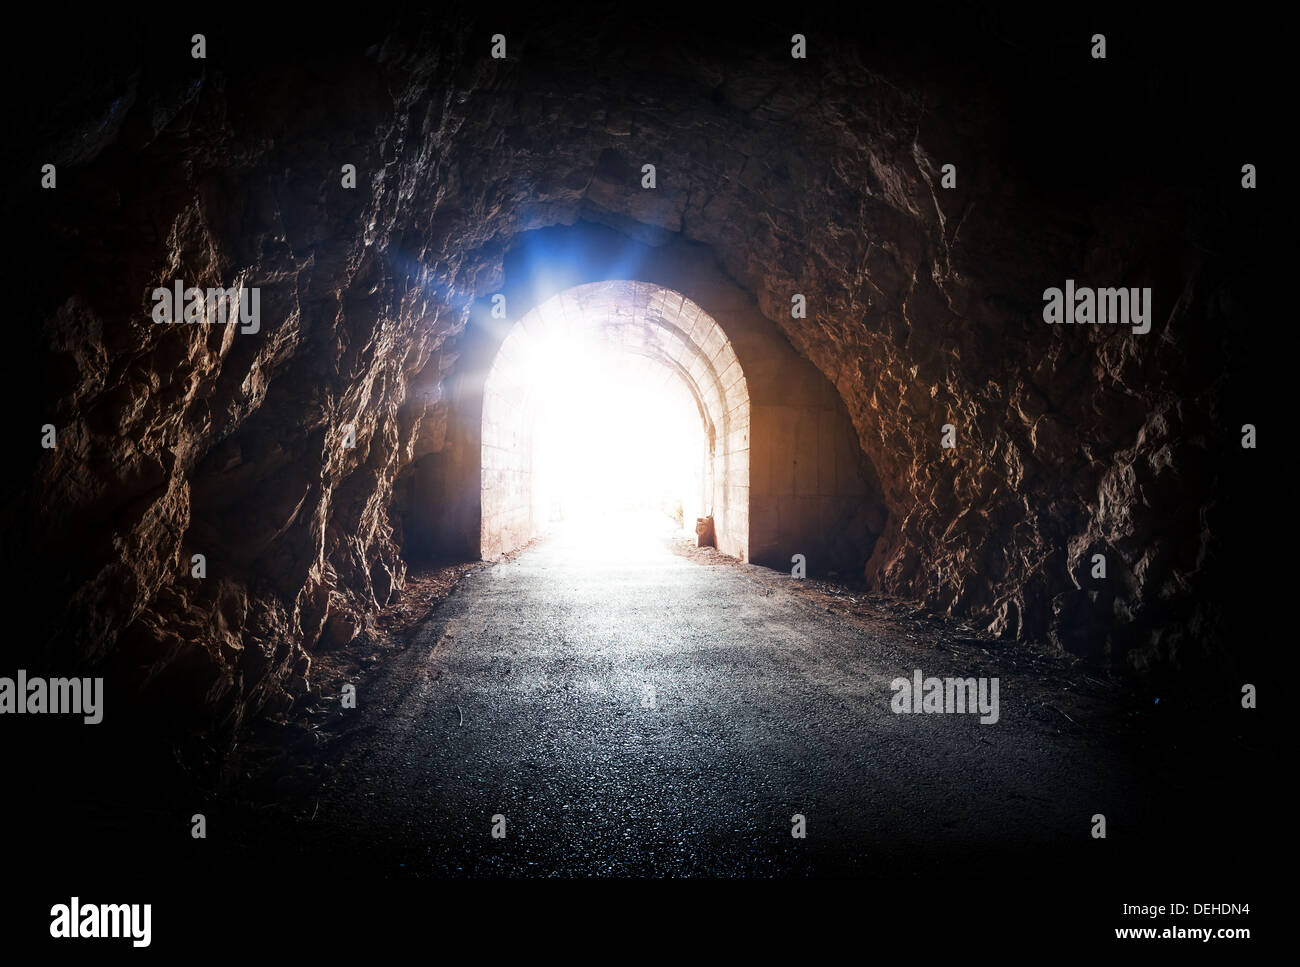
[{"x": 819, "y": 177}]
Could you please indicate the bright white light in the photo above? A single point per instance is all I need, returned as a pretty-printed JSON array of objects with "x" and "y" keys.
[
  {"x": 615, "y": 433},
  {"x": 589, "y": 422}
]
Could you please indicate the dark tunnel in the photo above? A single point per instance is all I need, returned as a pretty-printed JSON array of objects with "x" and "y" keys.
[{"x": 574, "y": 443}]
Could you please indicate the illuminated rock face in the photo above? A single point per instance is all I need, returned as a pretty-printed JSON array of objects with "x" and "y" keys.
[{"x": 923, "y": 309}]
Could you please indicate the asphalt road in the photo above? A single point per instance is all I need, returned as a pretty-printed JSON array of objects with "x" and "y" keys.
[{"x": 629, "y": 711}]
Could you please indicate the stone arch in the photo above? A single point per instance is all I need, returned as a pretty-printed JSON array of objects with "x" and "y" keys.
[
  {"x": 796, "y": 481},
  {"x": 643, "y": 320}
]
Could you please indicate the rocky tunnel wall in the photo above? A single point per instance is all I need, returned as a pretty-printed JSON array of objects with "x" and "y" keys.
[{"x": 294, "y": 458}]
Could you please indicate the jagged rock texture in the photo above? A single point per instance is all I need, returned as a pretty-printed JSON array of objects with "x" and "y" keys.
[{"x": 819, "y": 177}]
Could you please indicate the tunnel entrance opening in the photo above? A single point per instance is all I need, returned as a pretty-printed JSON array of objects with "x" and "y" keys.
[
  {"x": 616, "y": 437},
  {"x": 614, "y": 407}
]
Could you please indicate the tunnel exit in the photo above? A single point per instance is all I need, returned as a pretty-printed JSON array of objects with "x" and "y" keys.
[
  {"x": 611, "y": 405},
  {"x": 617, "y": 440}
]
